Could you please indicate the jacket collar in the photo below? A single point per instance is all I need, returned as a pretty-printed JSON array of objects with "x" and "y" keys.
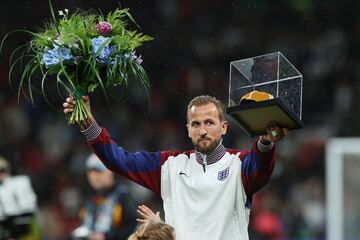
[{"x": 212, "y": 157}]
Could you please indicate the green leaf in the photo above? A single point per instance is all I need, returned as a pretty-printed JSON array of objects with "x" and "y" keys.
[
  {"x": 92, "y": 87},
  {"x": 53, "y": 15},
  {"x": 43, "y": 79}
]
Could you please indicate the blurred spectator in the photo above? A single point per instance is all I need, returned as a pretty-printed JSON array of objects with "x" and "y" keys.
[
  {"x": 18, "y": 206},
  {"x": 110, "y": 211}
]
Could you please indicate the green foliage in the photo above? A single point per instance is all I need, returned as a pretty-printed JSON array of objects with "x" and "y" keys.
[{"x": 85, "y": 51}]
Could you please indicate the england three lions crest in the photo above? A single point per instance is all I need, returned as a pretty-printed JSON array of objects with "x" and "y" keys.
[{"x": 223, "y": 174}]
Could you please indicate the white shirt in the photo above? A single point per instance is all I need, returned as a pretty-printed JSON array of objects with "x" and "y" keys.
[
  {"x": 16, "y": 197},
  {"x": 198, "y": 204}
]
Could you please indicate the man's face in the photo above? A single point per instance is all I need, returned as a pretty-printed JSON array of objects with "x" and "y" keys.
[
  {"x": 205, "y": 128},
  {"x": 100, "y": 180}
]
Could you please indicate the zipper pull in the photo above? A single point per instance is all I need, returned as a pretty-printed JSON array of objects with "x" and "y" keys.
[{"x": 204, "y": 163}]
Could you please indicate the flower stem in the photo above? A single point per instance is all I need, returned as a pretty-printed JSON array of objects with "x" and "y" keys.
[{"x": 80, "y": 113}]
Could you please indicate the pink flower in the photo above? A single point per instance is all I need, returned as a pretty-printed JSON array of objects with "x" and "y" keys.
[{"x": 104, "y": 28}]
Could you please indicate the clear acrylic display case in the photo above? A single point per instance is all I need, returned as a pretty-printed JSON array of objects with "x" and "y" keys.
[{"x": 271, "y": 73}]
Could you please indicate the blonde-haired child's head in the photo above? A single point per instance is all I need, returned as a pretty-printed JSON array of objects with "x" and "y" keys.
[{"x": 151, "y": 230}]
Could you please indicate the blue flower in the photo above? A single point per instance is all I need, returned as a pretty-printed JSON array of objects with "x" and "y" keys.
[
  {"x": 52, "y": 56},
  {"x": 106, "y": 51}
]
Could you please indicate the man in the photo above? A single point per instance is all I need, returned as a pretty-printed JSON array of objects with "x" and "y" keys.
[
  {"x": 18, "y": 206},
  {"x": 206, "y": 192},
  {"x": 109, "y": 211}
]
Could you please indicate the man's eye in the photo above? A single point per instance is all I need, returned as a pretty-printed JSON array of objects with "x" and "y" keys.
[{"x": 195, "y": 124}]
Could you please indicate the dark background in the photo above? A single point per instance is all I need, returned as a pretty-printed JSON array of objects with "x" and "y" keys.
[{"x": 190, "y": 55}]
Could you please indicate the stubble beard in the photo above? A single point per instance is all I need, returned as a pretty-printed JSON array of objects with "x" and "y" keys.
[{"x": 208, "y": 149}]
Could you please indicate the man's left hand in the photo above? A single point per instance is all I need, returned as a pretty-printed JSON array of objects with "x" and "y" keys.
[{"x": 275, "y": 133}]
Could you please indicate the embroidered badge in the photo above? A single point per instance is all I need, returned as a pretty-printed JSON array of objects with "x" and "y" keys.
[{"x": 223, "y": 174}]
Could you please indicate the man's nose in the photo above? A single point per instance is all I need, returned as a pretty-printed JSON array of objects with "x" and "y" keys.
[{"x": 203, "y": 131}]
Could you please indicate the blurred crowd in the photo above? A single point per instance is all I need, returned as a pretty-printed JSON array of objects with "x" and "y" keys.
[{"x": 190, "y": 55}]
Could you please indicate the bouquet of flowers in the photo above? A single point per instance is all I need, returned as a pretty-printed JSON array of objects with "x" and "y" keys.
[{"x": 84, "y": 51}]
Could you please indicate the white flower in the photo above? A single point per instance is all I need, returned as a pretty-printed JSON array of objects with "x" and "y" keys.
[
  {"x": 73, "y": 45},
  {"x": 66, "y": 10},
  {"x": 61, "y": 13}
]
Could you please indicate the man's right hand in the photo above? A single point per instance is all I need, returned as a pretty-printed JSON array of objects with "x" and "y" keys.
[{"x": 69, "y": 105}]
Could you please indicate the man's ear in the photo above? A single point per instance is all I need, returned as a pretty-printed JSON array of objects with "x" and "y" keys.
[
  {"x": 224, "y": 125},
  {"x": 187, "y": 129}
]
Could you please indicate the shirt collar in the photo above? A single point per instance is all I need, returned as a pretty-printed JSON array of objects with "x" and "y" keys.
[{"x": 212, "y": 157}]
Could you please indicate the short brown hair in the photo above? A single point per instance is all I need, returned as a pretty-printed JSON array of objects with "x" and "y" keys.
[
  {"x": 206, "y": 99},
  {"x": 152, "y": 230}
]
